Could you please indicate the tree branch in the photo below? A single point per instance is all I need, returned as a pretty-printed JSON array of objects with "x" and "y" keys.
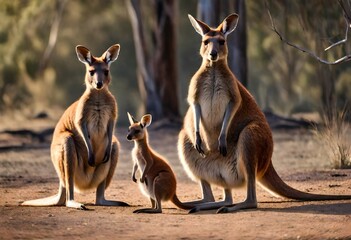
[
  {"x": 348, "y": 22},
  {"x": 307, "y": 51}
]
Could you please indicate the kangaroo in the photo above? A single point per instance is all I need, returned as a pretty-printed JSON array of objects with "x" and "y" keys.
[
  {"x": 84, "y": 150},
  {"x": 225, "y": 139},
  {"x": 157, "y": 181}
]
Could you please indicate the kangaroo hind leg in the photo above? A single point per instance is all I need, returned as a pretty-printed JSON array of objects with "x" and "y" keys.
[
  {"x": 66, "y": 163},
  {"x": 207, "y": 195},
  {"x": 100, "y": 192},
  {"x": 249, "y": 161},
  {"x": 159, "y": 194},
  {"x": 214, "y": 205},
  {"x": 187, "y": 152},
  {"x": 156, "y": 207}
]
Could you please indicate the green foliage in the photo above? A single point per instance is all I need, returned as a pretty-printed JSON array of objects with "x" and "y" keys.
[
  {"x": 20, "y": 48},
  {"x": 280, "y": 77}
]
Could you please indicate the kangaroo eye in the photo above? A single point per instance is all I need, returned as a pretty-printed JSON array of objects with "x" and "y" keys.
[
  {"x": 206, "y": 42},
  {"x": 221, "y": 42},
  {"x": 137, "y": 131},
  {"x": 92, "y": 72},
  {"x": 106, "y": 72}
]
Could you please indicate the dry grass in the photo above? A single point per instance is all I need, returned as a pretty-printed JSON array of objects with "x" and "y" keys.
[{"x": 335, "y": 137}]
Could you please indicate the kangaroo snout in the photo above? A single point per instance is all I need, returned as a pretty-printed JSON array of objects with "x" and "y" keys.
[
  {"x": 129, "y": 137},
  {"x": 99, "y": 85},
  {"x": 213, "y": 55}
]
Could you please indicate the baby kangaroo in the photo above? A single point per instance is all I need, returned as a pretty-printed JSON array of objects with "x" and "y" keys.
[
  {"x": 226, "y": 139},
  {"x": 84, "y": 150},
  {"x": 157, "y": 180}
]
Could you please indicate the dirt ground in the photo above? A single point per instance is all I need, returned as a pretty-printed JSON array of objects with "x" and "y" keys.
[{"x": 26, "y": 173}]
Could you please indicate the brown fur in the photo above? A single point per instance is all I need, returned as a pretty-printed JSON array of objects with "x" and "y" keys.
[
  {"x": 226, "y": 139},
  {"x": 157, "y": 181},
  {"x": 84, "y": 150}
]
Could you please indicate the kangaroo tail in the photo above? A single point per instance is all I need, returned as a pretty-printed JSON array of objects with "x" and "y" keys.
[
  {"x": 55, "y": 200},
  {"x": 274, "y": 184},
  {"x": 181, "y": 205}
]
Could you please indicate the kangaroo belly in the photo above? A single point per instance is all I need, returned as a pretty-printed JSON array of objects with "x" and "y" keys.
[
  {"x": 86, "y": 179},
  {"x": 146, "y": 189},
  {"x": 214, "y": 168},
  {"x": 217, "y": 170}
]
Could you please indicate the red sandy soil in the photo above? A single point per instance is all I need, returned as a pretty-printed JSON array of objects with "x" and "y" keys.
[{"x": 27, "y": 173}]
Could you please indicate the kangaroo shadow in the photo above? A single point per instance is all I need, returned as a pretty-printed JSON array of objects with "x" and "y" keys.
[
  {"x": 330, "y": 208},
  {"x": 321, "y": 207}
]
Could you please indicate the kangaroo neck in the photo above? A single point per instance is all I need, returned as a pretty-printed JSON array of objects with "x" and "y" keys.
[
  {"x": 211, "y": 65},
  {"x": 142, "y": 144},
  {"x": 95, "y": 92}
]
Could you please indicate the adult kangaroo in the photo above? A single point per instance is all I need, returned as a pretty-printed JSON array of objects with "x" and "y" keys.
[
  {"x": 84, "y": 150},
  {"x": 226, "y": 139}
]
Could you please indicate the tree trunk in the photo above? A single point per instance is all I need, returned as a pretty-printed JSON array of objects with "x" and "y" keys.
[
  {"x": 157, "y": 72},
  {"x": 165, "y": 57},
  {"x": 44, "y": 61},
  {"x": 149, "y": 96},
  {"x": 237, "y": 42},
  {"x": 208, "y": 11}
]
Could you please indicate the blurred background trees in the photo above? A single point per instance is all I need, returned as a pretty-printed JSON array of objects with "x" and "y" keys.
[
  {"x": 39, "y": 70},
  {"x": 157, "y": 61}
]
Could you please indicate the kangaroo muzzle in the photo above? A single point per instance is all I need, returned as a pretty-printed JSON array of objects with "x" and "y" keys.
[
  {"x": 129, "y": 137},
  {"x": 99, "y": 85},
  {"x": 213, "y": 55}
]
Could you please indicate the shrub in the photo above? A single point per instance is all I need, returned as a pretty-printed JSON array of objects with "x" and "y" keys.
[{"x": 335, "y": 137}]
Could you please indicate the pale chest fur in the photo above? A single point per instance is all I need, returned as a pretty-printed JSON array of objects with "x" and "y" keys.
[
  {"x": 138, "y": 158},
  {"x": 212, "y": 90},
  {"x": 97, "y": 110}
]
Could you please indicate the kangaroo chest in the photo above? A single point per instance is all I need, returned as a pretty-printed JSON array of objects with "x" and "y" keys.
[
  {"x": 97, "y": 112},
  {"x": 98, "y": 116},
  {"x": 138, "y": 155},
  {"x": 214, "y": 97}
]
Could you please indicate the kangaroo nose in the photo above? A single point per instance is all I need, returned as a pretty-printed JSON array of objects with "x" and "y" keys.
[
  {"x": 213, "y": 54},
  {"x": 129, "y": 137},
  {"x": 99, "y": 85}
]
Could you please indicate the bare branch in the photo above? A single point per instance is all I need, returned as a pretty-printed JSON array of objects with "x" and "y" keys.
[
  {"x": 341, "y": 41},
  {"x": 347, "y": 20},
  {"x": 309, "y": 52}
]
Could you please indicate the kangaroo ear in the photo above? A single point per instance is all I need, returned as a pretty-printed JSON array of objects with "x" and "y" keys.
[
  {"x": 199, "y": 26},
  {"x": 84, "y": 54},
  {"x": 146, "y": 120},
  {"x": 111, "y": 54},
  {"x": 131, "y": 119},
  {"x": 229, "y": 24}
]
